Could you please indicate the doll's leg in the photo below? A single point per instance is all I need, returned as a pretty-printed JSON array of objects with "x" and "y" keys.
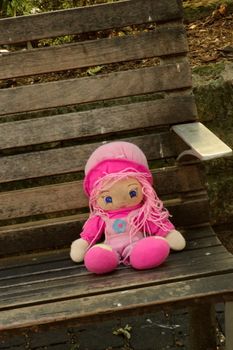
[
  {"x": 149, "y": 252},
  {"x": 101, "y": 259}
]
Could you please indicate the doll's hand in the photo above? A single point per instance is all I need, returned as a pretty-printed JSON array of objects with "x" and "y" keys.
[
  {"x": 78, "y": 249},
  {"x": 175, "y": 240}
]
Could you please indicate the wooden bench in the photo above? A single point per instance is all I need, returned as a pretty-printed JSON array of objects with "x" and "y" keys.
[{"x": 124, "y": 76}]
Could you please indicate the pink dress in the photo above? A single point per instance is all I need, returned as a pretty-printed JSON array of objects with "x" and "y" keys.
[{"x": 116, "y": 228}]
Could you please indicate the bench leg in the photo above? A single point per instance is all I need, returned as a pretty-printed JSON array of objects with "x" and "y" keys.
[
  {"x": 229, "y": 325},
  {"x": 202, "y": 327}
]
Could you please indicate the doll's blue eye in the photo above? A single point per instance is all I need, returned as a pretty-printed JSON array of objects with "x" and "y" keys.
[
  {"x": 108, "y": 199},
  {"x": 133, "y": 193}
]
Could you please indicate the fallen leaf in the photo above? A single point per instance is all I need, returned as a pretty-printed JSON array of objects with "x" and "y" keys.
[
  {"x": 209, "y": 58},
  {"x": 223, "y": 9},
  {"x": 94, "y": 70}
]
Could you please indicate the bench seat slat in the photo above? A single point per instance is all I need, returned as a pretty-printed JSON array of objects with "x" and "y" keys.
[
  {"x": 73, "y": 159},
  {"x": 196, "y": 238},
  {"x": 90, "y": 89},
  {"x": 55, "y": 285},
  {"x": 139, "y": 297},
  {"x": 167, "y": 41},
  {"x": 14, "y": 281},
  {"x": 96, "y": 122},
  {"x": 87, "y": 19},
  {"x": 34, "y": 264},
  {"x": 61, "y": 197}
]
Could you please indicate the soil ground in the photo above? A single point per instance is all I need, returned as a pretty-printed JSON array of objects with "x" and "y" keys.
[{"x": 211, "y": 39}]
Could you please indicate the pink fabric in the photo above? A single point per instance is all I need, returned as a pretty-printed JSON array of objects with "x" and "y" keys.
[
  {"x": 95, "y": 226},
  {"x": 99, "y": 260},
  {"x": 123, "y": 229},
  {"x": 112, "y": 166},
  {"x": 114, "y": 157},
  {"x": 149, "y": 252},
  {"x": 93, "y": 229},
  {"x": 151, "y": 208},
  {"x": 146, "y": 253},
  {"x": 118, "y": 236},
  {"x": 116, "y": 150}
]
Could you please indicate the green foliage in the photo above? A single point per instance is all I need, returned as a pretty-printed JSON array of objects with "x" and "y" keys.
[
  {"x": 12, "y": 8},
  {"x": 94, "y": 70},
  {"x": 16, "y": 7},
  {"x": 25, "y": 7},
  {"x": 51, "y": 5},
  {"x": 66, "y": 39}
]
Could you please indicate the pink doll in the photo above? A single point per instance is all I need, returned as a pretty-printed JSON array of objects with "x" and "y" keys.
[{"x": 126, "y": 210}]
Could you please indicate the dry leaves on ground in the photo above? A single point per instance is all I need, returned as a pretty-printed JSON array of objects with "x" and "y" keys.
[{"x": 211, "y": 39}]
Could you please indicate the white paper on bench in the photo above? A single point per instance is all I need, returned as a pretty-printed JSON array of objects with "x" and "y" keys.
[{"x": 204, "y": 144}]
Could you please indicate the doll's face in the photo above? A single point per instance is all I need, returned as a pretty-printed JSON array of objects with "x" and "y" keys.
[{"x": 124, "y": 193}]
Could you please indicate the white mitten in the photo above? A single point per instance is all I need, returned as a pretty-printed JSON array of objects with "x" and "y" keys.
[
  {"x": 78, "y": 249},
  {"x": 175, "y": 240}
]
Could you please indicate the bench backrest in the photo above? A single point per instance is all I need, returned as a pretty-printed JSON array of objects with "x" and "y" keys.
[{"x": 124, "y": 76}]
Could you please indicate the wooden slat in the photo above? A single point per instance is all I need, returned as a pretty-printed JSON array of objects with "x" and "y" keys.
[
  {"x": 190, "y": 212},
  {"x": 42, "y": 200},
  {"x": 166, "y": 41},
  {"x": 87, "y": 19},
  {"x": 62, "y": 272},
  {"x": 52, "y": 233},
  {"x": 62, "y": 197},
  {"x": 98, "y": 121},
  {"x": 229, "y": 324},
  {"x": 73, "y": 159},
  {"x": 29, "y": 286},
  {"x": 106, "y": 86},
  {"x": 198, "y": 237},
  {"x": 60, "y": 232},
  {"x": 176, "y": 207},
  {"x": 109, "y": 303}
]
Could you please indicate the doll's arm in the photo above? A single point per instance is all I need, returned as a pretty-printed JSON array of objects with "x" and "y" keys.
[
  {"x": 91, "y": 233},
  {"x": 175, "y": 239}
]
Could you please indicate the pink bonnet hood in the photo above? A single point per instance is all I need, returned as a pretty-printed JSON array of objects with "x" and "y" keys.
[{"x": 114, "y": 157}]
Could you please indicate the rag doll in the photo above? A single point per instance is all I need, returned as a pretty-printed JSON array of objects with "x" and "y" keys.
[{"x": 124, "y": 211}]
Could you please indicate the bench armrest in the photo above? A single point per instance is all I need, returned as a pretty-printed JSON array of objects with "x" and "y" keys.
[{"x": 203, "y": 144}]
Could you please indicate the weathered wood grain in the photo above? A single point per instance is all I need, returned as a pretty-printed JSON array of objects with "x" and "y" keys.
[
  {"x": 229, "y": 324},
  {"x": 42, "y": 200},
  {"x": 73, "y": 159},
  {"x": 103, "y": 87},
  {"x": 87, "y": 19},
  {"x": 190, "y": 212},
  {"x": 97, "y": 122},
  {"x": 50, "y": 234},
  {"x": 59, "y": 282},
  {"x": 197, "y": 238},
  {"x": 115, "y": 302},
  {"x": 196, "y": 210},
  {"x": 62, "y": 272},
  {"x": 203, "y": 236},
  {"x": 166, "y": 41},
  {"x": 59, "y": 232},
  {"x": 68, "y": 196}
]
